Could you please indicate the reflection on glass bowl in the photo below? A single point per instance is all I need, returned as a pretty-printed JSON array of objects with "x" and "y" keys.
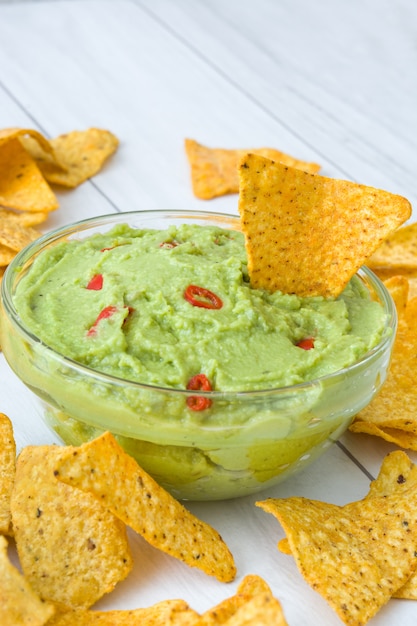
[{"x": 246, "y": 442}]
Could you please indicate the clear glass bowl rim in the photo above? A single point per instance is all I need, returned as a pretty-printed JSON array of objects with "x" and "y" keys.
[{"x": 34, "y": 248}]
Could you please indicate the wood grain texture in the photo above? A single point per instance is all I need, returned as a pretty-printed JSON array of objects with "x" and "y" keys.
[{"x": 332, "y": 82}]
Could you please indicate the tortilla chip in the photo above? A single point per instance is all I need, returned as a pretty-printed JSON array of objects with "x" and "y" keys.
[
  {"x": 262, "y": 610},
  {"x": 101, "y": 467},
  {"x": 14, "y": 235},
  {"x": 22, "y": 185},
  {"x": 6, "y": 134},
  {"x": 356, "y": 556},
  {"x": 79, "y": 155},
  {"x": 392, "y": 414},
  {"x": 398, "y": 286},
  {"x": 165, "y": 613},
  {"x": 307, "y": 234},
  {"x": 214, "y": 171},
  {"x": 284, "y": 546},
  {"x": 72, "y": 550},
  {"x": 19, "y": 605},
  {"x": 6, "y": 255},
  {"x": 250, "y": 587},
  {"x": 397, "y": 474},
  {"x": 23, "y": 218},
  {"x": 399, "y": 250},
  {"x": 7, "y": 472}
]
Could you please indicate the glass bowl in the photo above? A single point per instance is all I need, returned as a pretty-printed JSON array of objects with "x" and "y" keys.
[{"x": 246, "y": 442}]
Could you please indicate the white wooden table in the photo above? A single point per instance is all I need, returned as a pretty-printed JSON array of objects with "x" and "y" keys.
[{"x": 328, "y": 81}]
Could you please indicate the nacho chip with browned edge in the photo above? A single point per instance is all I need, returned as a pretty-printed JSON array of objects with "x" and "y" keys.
[
  {"x": 214, "y": 171},
  {"x": 7, "y": 472},
  {"x": 392, "y": 414},
  {"x": 356, "y": 556},
  {"x": 102, "y": 468},
  {"x": 79, "y": 155},
  {"x": 164, "y": 613},
  {"x": 19, "y": 605},
  {"x": 22, "y": 185},
  {"x": 398, "y": 251},
  {"x": 71, "y": 548},
  {"x": 307, "y": 234}
]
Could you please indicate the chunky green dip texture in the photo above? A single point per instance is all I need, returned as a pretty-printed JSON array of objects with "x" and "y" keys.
[{"x": 152, "y": 334}]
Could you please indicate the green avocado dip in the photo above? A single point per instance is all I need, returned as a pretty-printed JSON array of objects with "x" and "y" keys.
[
  {"x": 174, "y": 308},
  {"x": 149, "y": 331}
]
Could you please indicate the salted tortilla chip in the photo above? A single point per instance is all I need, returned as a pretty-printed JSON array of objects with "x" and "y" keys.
[
  {"x": 214, "y": 171},
  {"x": 72, "y": 549},
  {"x": 165, "y": 613},
  {"x": 79, "y": 155},
  {"x": 101, "y": 467},
  {"x": 392, "y": 414},
  {"x": 22, "y": 185},
  {"x": 399, "y": 250},
  {"x": 356, "y": 556},
  {"x": 19, "y": 605},
  {"x": 397, "y": 474},
  {"x": 7, "y": 472},
  {"x": 307, "y": 234}
]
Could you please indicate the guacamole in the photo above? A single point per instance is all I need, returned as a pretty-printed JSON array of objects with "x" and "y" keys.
[
  {"x": 172, "y": 310},
  {"x": 161, "y": 307}
]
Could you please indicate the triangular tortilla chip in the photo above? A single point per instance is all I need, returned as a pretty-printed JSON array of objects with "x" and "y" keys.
[
  {"x": 22, "y": 133},
  {"x": 71, "y": 548},
  {"x": 307, "y": 234},
  {"x": 22, "y": 185},
  {"x": 164, "y": 613},
  {"x": 356, "y": 556},
  {"x": 102, "y": 468},
  {"x": 399, "y": 250},
  {"x": 7, "y": 472},
  {"x": 19, "y": 605},
  {"x": 397, "y": 474},
  {"x": 77, "y": 155},
  {"x": 214, "y": 171},
  {"x": 392, "y": 414}
]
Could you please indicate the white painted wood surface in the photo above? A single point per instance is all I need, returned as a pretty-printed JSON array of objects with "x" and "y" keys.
[{"x": 330, "y": 81}]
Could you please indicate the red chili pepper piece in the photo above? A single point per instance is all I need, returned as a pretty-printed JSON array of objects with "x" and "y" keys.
[
  {"x": 199, "y": 382},
  {"x": 202, "y": 297},
  {"x": 96, "y": 283},
  {"x": 108, "y": 311},
  {"x": 168, "y": 244},
  {"x": 306, "y": 344}
]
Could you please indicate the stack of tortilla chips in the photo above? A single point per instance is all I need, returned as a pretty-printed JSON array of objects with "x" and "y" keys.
[{"x": 29, "y": 164}]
